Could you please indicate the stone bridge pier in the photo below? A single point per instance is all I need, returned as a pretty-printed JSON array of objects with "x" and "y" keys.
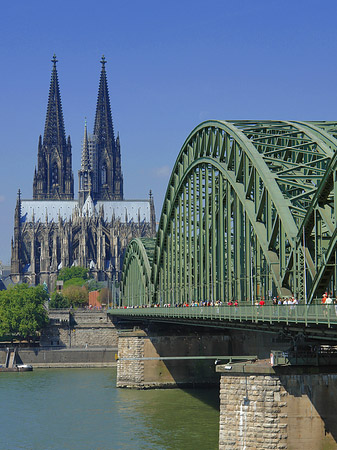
[
  {"x": 168, "y": 357},
  {"x": 262, "y": 407}
]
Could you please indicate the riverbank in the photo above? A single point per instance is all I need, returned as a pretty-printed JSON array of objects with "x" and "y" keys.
[{"x": 45, "y": 357}]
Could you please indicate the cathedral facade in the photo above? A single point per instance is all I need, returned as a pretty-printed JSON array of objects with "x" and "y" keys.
[{"x": 53, "y": 230}]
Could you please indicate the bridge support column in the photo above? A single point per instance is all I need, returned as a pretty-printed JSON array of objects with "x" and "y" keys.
[
  {"x": 262, "y": 407},
  {"x": 130, "y": 366},
  {"x": 165, "y": 358}
]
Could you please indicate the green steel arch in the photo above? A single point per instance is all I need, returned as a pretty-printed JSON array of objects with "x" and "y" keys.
[
  {"x": 136, "y": 274},
  {"x": 235, "y": 209},
  {"x": 316, "y": 251}
]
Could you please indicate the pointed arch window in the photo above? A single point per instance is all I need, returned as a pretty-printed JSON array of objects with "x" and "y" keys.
[
  {"x": 104, "y": 174},
  {"x": 55, "y": 173},
  {"x": 85, "y": 180}
]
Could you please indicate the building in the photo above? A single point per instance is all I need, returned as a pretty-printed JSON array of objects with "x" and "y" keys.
[{"x": 54, "y": 230}]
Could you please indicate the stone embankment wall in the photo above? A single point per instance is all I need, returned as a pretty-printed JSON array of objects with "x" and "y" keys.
[
  {"x": 266, "y": 412},
  {"x": 53, "y": 358},
  {"x": 78, "y": 329},
  {"x": 139, "y": 364}
]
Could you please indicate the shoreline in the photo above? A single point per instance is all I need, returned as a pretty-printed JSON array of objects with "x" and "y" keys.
[
  {"x": 75, "y": 365},
  {"x": 44, "y": 358}
]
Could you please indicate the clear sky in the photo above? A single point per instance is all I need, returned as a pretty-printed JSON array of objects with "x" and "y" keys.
[{"x": 170, "y": 65}]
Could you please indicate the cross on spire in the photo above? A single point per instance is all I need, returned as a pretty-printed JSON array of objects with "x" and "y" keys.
[
  {"x": 54, "y": 60},
  {"x": 103, "y": 61}
]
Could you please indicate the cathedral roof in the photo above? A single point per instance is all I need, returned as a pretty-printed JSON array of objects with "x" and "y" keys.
[
  {"x": 124, "y": 211},
  {"x": 89, "y": 207}
]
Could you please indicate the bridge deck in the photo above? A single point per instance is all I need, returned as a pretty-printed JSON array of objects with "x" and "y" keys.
[{"x": 322, "y": 315}]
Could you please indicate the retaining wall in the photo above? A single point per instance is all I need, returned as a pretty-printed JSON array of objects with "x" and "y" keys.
[
  {"x": 79, "y": 328},
  {"x": 43, "y": 357}
]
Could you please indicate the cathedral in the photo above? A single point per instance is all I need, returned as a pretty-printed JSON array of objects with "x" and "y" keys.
[{"x": 53, "y": 230}]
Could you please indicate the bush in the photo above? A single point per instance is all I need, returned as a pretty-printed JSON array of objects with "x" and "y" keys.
[
  {"x": 76, "y": 295},
  {"x": 74, "y": 282},
  {"x": 58, "y": 301},
  {"x": 73, "y": 272},
  {"x": 94, "y": 285}
]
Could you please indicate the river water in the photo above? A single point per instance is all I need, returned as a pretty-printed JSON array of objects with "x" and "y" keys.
[{"x": 81, "y": 409}]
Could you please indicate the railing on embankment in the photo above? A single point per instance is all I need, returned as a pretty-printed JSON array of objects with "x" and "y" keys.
[{"x": 284, "y": 314}]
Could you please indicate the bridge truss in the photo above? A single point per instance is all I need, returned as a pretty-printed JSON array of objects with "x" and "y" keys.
[{"x": 249, "y": 213}]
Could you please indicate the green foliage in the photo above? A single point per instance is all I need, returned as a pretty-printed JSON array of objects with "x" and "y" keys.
[
  {"x": 94, "y": 285},
  {"x": 68, "y": 273},
  {"x": 22, "y": 311},
  {"x": 76, "y": 295},
  {"x": 58, "y": 301},
  {"x": 74, "y": 282}
]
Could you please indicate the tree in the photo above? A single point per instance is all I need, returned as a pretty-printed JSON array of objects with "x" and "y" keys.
[
  {"x": 58, "y": 301},
  {"x": 76, "y": 295},
  {"x": 74, "y": 282},
  {"x": 73, "y": 272},
  {"x": 22, "y": 311},
  {"x": 94, "y": 285}
]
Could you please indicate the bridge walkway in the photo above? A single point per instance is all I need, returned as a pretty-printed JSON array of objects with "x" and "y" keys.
[{"x": 306, "y": 317}]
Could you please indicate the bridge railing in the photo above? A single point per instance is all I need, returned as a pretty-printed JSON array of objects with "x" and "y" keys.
[{"x": 304, "y": 314}]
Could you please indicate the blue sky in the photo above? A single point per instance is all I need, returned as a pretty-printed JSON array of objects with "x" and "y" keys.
[{"x": 170, "y": 66}]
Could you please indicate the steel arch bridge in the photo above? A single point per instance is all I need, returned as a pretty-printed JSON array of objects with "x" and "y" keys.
[{"x": 249, "y": 213}]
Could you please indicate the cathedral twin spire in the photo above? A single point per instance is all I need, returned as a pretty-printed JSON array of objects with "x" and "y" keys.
[
  {"x": 103, "y": 168},
  {"x": 54, "y": 132},
  {"x": 107, "y": 173},
  {"x": 103, "y": 128},
  {"x": 54, "y": 178},
  {"x": 100, "y": 174}
]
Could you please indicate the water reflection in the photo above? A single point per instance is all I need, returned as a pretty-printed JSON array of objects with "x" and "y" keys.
[{"x": 82, "y": 409}]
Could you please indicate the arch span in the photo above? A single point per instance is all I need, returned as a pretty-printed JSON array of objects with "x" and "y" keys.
[
  {"x": 236, "y": 202},
  {"x": 136, "y": 274}
]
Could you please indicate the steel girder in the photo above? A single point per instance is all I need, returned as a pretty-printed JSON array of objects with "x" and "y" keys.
[
  {"x": 136, "y": 274},
  {"x": 305, "y": 160},
  {"x": 316, "y": 247},
  {"x": 234, "y": 211}
]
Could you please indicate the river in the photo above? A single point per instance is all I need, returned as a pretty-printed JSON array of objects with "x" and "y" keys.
[{"x": 81, "y": 409}]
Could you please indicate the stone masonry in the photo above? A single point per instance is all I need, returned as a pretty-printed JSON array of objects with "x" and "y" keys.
[
  {"x": 251, "y": 414},
  {"x": 287, "y": 411},
  {"x": 130, "y": 374},
  {"x": 63, "y": 357},
  {"x": 79, "y": 329},
  {"x": 159, "y": 359}
]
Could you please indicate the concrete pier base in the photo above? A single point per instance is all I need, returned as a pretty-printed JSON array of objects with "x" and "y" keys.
[
  {"x": 263, "y": 408},
  {"x": 140, "y": 365}
]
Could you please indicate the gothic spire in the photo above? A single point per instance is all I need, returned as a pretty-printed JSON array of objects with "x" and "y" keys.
[
  {"x": 85, "y": 175},
  {"x": 152, "y": 214},
  {"x": 18, "y": 209},
  {"x": 54, "y": 177},
  {"x": 54, "y": 132},
  {"x": 103, "y": 121},
  {"x": 16, "y": 259},
  {"x": 85, "y": 161}
]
